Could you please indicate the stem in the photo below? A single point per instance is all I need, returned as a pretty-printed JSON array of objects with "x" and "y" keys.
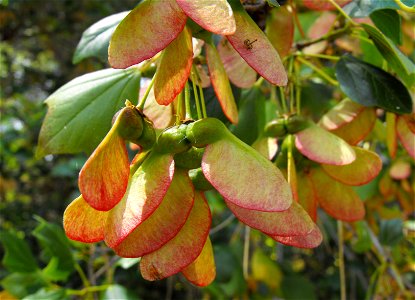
[
  {"x": 319, "y": 71},
  {"x": 297, "y": 20},
  {"x": 346, "y": 16},
  {"x": 187, "y": 101},
  {"x": 179, "y": 108},
  {"x": 327, "y": 37},
  {"x": 275, "y": 100},
  {"x": 297, "y": 88},
  {"x": 282, "y": 97},
  {"x": 87, "y": 290},
  {"x": 291, "y": 86},
  {"x": 223, "y": 224},
  {"x": 323, "y": 56},
  {"x": 410, "y": 9},
  {"x": 246, "y": 252},
  {"x": 341, "y": 261},
  {"x": 140, "y": 106},
  {"x": 81, "y": 273},
  {"x": 202, "y": 100},
  {"x": 199, "y": 112}
]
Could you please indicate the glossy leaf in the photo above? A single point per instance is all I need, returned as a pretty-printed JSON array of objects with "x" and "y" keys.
[
  {"x": 324, "y": 147},
  {"x": 238, "y": 71},
  {"x": 81, "y": 111},
  {"x": 146, "y": 189},
  {"x": 338, "y": 200},
  {"x": 174, "y": 68},
  {"x": 406, "y": 135},
  {"x": 323, "y": 5},
  {"x": 104, "y": 177},
  {"x": 341, "y": 114},
  {"x": 183, "y": 249},
  {"x": 17, "y": 255},
  {"x": 83, "y": 223},
  {"x": 96, "y": 39},
  {"x": 400, "y": 63},
  {"x": 267, "y": 147},
  {"x": 234, "y": 168},
  {"x": 371, "y": 86},
  {"x": 280, "y": 30},
  {"x": 363, "y": 8},
  {"x": 202, "y": 271},
  {"x": 216, "y": 17},
  {"x": 362, "y": 170},
  {"x": 310, "y": 240},
  {"x": 293, "y": 221},
  {"x": 388, "y": 21},
  {"x": 253, "y": 45},
  {"x": 307, "y": 197},
  {"x": 134, "y": 39},
  {"x": 164, "y": 223},
  {"x": 221, "y": 84}
]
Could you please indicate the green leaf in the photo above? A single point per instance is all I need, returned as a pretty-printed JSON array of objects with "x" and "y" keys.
[
  {"x": 45, "y": 294},
  {"x": 363, "y": 8},
  {"x": 57, "y": 249},
  {"x": 363, "y": 242},
  {"x": 391, "y": 232},
  {"x": 371, "y": 86},
  {"x": 18, "y": 257},
  {"x": 116, "y": 291},
  {"x": 389, "y": 23},
  {"x": 81, "y": 111},
  {"x": 401, "y": 64},
  {"x": 22, "y": 284},
  {"x": 297, "y": 287},
  {"x": 96, "y": 39}
]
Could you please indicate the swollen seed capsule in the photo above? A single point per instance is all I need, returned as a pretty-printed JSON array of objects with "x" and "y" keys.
[
  {"x": 296, "y": 123},
  {"x": 173, "y": 140},
  {"x": 205, "y": 131},
  {"x": 199, "y": 180},
  {"x": 190, "y": 159},
  {"x": 148, "y": 137},
  {"x": 129, "y": 124},
  {"x": 276, "y": 128}
]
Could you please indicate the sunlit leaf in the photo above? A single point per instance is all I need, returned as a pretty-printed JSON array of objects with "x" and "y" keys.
[
  {"x": 183, "y": 249},
  {"x": 405, "y": 134},
  {"x": 160, "y": 115},
  {"x": 238, "y": 71},
  {"x": 134, "y": 39},
  {"x": 81, "y": 111},
  {"x": 234, "y": 169},
  {"x": 341, "y": 114},
  {"x": 293, "y": 221},
  {"x": 338, "y": 200},
  {"x": 266, "y": 270},
  {"x": 400, "y": 169},
  {"x": 216, "y": 17},
  {"x": 103, "y": 178},
  {"x": 324, "y": 147},
  {"x": 310, "y": 240},
  {"x": 371, "y": 86},
  {"x": 96, "y": 39},
  {"x": 83, "y": 223},
  {"x": 268, "y": 147},
  {"x": 280, "y": 30},
  {"x": 146, "y": 189},
  {"x": 322, "y": 25},
  {"x": 391, "y": 135},
  {"x": 362, "y": 170},
  {"x": 164, "y": 223},
  {"x": 221, "y": 83},
  {"x": 174, "y": 68},
  {"x": 202, "y": 271},
  {"x": 253, "y": 45}
]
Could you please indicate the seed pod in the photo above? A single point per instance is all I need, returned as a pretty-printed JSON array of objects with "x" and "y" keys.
[
  {"x": 173, "y": 140},
  {"x": 276, "y": 128},
  {"x": 199, "y": 180},
  {"x": 296, "y": 123},
  {"x": 190, "y": 159},
  {"x": 130, "y": 124},
  {"x": 205, "y": 131},
  {"x": 148, "y": 137}
]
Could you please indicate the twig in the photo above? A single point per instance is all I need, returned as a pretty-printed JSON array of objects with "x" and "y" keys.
[{"x": 223, "y": 224}]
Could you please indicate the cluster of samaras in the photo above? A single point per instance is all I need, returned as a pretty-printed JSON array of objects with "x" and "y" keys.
[{"x": 153, "y": 207}]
